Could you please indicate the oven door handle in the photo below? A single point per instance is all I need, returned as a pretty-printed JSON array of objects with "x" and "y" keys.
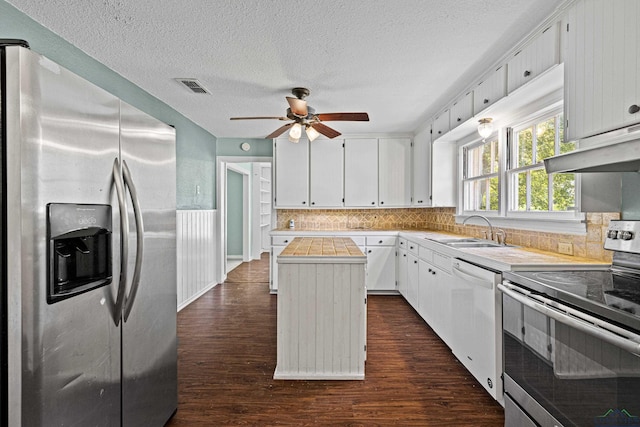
[{"x": 597, "y": 328}]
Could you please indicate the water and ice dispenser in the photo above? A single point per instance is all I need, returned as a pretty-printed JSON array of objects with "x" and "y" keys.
[{"x": 79, "y": 249}]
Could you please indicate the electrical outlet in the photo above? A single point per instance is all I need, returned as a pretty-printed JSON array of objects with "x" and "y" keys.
[{"x": 565, "y": 248}]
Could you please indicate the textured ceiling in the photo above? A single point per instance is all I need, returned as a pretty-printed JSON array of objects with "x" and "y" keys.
[{"x": 399, "y": 60}]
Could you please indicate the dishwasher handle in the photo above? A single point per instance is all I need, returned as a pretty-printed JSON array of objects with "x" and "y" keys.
[
  {"x": 600, "y": 329},
  {"x": 476, "y": 280}
]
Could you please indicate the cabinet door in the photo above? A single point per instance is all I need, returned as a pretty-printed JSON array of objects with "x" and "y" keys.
[
  {"x": 326, "y": 172},
  {"x": 440, "y": 125},
  {"x": 275, "y": 251},
  {"x": 422, "y": 168},
  {"x": 413, "y": 280},
  {"x": 535, "y": 58},
  {"x": 602, "y": 82},
  {"x": 381, "y": 268},
  {"x": 361, "y": 172},
  {"x": 492, "y": 89},
  {"x": 426, "y": 294},
  {"x": 402, "y": 273},
  {"x": 461, "y": 111},
  {"x": 292, "y": 173},
  {"x": 394, "y": 172}
]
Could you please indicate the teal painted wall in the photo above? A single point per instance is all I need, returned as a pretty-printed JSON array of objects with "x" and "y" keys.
[
  {"x": 234, "y": 213},
  {"x": 195, "y": 148},
  {"x": 231, "y": 147}
]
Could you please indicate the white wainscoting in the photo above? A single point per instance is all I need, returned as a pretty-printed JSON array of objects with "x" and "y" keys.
[{"x": 196, "y": 252}]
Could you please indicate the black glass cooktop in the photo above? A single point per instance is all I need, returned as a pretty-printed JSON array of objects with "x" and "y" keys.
[{"x": 608, "y": 293}]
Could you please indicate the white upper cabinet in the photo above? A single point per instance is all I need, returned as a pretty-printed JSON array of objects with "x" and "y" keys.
[
  {"x": 444, "y": 172},
  {"x": 492, "y": 89},
  {"x": 441, "y": 125},
  {"x": 292, "y": 174},
  {"x": 535, "y": 58},
  {"x": 394, "y": 172},
  {"x": 361, "y": 172},
  {"x": 326, "y": 173},
  {"x": 461, "y": 111},
  {"x": 422, "y": 168},
  {"x": 602, "y": 71}
]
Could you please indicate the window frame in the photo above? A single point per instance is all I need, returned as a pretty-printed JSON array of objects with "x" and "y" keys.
[
  {"x": 560, "y": 221},
  {"x": 495, "y": 136}
]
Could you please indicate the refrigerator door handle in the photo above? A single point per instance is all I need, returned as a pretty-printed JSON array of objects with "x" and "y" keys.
[
  {"x": 124, "y": 239},
  {"x": 135, "y": 282}
]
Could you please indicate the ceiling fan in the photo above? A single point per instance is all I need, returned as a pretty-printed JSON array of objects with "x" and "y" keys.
[{"x": 305, "y": 116}]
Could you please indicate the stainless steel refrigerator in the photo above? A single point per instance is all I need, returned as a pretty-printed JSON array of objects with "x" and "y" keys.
[{"x": 88, "y": 298}]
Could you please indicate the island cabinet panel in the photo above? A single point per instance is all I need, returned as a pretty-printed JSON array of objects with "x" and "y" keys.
[{"x": 321, "y": 316}]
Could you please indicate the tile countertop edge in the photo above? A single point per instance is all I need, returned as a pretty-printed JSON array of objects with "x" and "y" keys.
[{"x": 500, "y": 258}]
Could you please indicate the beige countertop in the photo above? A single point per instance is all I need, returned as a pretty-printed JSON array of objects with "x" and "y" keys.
[{"x": 322, "y": 247}]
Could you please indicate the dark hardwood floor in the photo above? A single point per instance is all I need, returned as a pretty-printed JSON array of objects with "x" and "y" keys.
[{"x": 227, "y": 355}]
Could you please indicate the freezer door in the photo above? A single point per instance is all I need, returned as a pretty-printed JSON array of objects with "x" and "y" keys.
[
  {"x": 149, "y": 362},
  {"x": 62, "y": 140}
]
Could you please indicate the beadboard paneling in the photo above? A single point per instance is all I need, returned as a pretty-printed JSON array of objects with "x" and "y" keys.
[{"x": 196, "y": 251}]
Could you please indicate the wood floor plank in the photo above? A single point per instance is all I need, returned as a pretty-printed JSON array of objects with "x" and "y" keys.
[{"x": 227, "y": 356}]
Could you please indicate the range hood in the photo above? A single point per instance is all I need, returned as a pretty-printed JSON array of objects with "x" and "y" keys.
[{"x": 615, "y": 151}]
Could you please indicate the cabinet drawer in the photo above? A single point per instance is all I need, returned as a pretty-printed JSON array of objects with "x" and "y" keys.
[
  {"x": 381, "y": 240},
  {"x": 281, "y": 240},
  {"x": 425, "y": 254},
  {"x": 442, "y": 261},
  {"x": 413, "y": 248}
]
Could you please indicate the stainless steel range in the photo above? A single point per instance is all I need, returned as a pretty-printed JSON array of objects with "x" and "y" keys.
[{"x": 572, "y": 341}]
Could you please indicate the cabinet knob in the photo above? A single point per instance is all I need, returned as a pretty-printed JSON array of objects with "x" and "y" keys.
[
  {"x": 459, "y": 119},
  {"x": 430, "y": 270},
  {"x": 286, "y": 241},
  {"x": 373, "y": 203},
  {"x": 634, "y": 109},
  {"x": 485, "y": 101},
  {"x": 382, "y": 203},
  {"x": 439, "y": 132},
  {"x": 410, "y": 247},
  {"x": 433, "y": 272},
  {"x": 415, "y": 262},
  {"x": 380, "y": 241},
  {"x": 369, "y": 251},
  {"x": 313, "y": 203},
  {"x": 404, "y": 254},
  {"x": 527, "y": 73}
]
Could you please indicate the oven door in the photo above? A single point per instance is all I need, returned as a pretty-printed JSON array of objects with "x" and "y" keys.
[{"x": 565, "y": 367}]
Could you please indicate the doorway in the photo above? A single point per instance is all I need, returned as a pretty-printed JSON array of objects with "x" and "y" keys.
[{"x": 244, "y": 210}]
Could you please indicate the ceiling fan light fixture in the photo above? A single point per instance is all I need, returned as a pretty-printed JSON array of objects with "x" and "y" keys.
[
  {"x": 312, "y": 134},
  {"x": 295, "y": 133},
  {"x": 485, "y": 127}
]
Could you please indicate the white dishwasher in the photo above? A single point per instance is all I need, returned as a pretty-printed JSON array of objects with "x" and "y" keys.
[{"x": 477, "y": 323}]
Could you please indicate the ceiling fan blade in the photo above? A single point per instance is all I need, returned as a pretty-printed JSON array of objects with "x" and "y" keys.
[
  {"x": 325, "y": 130},
  {"x": 276, "y": 133},
  {"x": 258, "y": 118},
  {"x": 298, "y": 106},
  {"x": 343, "y": 117}
]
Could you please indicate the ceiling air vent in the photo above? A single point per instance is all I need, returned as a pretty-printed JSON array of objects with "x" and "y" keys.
[{"x": 193, "y": 85}]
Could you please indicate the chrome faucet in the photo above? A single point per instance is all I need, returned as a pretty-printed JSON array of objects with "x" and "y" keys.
[{"x": 490, "y": 236}]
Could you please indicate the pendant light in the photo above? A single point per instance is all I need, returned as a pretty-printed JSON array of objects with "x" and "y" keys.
[{"x": 485, "y": 127}]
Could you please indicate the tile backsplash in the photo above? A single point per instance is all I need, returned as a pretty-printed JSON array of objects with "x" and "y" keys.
[{"x": 588, "y": 245}]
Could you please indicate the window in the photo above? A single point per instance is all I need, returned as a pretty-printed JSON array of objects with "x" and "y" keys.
[
  {"x": 481, "y": 180},
  {"x": 531, "y": 189}
]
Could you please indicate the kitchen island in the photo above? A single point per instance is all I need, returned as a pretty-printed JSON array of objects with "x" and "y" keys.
[{"x": 321, "y": 310}]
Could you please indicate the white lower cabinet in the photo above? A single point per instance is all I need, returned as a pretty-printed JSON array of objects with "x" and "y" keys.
[
  {"x": 413, "y": 280},
  {"x": 434, "y": 296},
  {"x": 381, "y": 268},
  {"x": 403, "y": 272},
  {"x": 278, "y": 243}
]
